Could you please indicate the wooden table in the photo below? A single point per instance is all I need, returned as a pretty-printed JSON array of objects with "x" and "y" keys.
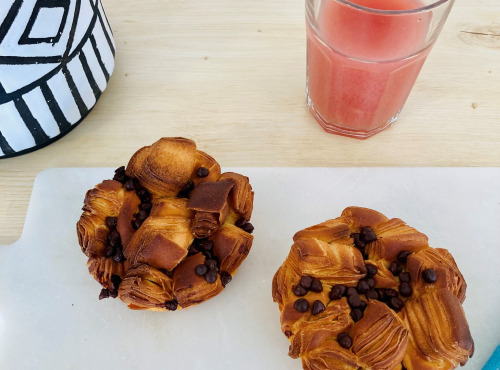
[{"x": 231, "y": 75}]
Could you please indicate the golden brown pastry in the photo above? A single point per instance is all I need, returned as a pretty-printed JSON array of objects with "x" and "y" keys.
[
  {"x": 366, "y": 292},
  {"x": 170, "y": 230}
]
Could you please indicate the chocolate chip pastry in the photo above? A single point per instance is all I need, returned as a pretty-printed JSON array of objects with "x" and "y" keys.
[
  {"x": 170, "y": 230},
  {"x": 366, "y": 292}
]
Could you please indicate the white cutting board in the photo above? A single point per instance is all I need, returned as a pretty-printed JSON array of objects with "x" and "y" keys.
[{"x": 51, "y": 318}]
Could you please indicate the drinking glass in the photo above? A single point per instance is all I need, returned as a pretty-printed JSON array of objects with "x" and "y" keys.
[{"x": 363, "y": 57}]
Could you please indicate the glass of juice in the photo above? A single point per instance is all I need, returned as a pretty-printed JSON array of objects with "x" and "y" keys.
[{"x": 363, "y": 57}]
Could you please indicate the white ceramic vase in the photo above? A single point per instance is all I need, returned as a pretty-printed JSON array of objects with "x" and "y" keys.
[{"x": 56, "y": 57}]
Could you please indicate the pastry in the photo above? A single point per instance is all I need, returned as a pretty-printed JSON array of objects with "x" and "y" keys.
[
  {"x": 169, "y": 231},
  {"x": 366, "y": 292}
]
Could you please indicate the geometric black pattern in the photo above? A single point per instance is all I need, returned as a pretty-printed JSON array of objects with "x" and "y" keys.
[
  {"x": 27, "y": 38},
  {"x": 83, "y": 69}
]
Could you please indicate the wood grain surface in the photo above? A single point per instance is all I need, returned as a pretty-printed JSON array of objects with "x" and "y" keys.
[{"x": 231, "y": 75}]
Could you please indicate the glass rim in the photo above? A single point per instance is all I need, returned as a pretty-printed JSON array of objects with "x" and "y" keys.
[{"x": 425, "y": 8}]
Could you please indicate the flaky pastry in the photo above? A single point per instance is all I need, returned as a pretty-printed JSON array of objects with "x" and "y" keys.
[
  {"x": 366, "y": 292},
  {"x": 170, "y": 230}
]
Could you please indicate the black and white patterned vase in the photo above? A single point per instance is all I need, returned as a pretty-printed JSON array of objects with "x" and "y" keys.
[{"x": 56, "y": 57}]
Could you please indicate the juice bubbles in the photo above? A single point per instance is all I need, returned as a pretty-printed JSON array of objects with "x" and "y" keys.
[{"x": 361, "y": 65}]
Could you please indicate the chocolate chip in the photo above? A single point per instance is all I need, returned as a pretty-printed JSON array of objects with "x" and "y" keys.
[
  {"x": 111, "y": 222},
  {"x": 317, "y": 307},
  {"x": 114, "y": 238},
  {"x": 404, "y": 277},
  {"x": 306, "y": 282},
  {"x": 104, "y": 294},
  {"x": 116, "y": 281},
  {"x": 429, "y": 276},
  {"x": 337, "y": 292},
  {"x": 171, "y": 305},
  {"x": 136, "y": 223},
  {"x": 351, "y": 291},
  {"x": 118, "y": 256},
  {"x": 202, "y": 172},
  {"x": 206, "y": 244},
  {"x": 316, "y": 286},
  {"x": 301, "y": 305},
  {"x": 120, "y": 177},
  {"x": 201, "y": 270},
  {"x": 371, "y": 270},
  {"x": 362, "y": 286},
  {"x": 405, "y": 289},
  {"x": 396, "y": 304},
  {"x": 193, "y": 249},
  {"x": 240, "y": 222},
  {"x": 363, "y": 306},
  {"x": 216, "y": 259},
  {"x": 142, "y": 215},
  {"x": 357, "y": 241},
  {"x": 371, "y": 294},
  {"x": 129, "y": 185},
  {"x": 146, "y": 198},
  {"x": 248, "y": 227},
  {"x": 345, "y": 340},
  {"x": 371, "y": 282},
  {"x": 361, "y": 249},
  {"x": 145, "y": 206},
  {"x": 211, "y": 276},
  {"x": 120, "y": 169},
  {"x": 390, "y": 293},
  {"x": 381, "y": 294},
  {"x": 299, "y": 291},
  {"x": 395, "y": 268},
  {"x": 113, "y": 293},
  {"x": 225, "y": 278},
  {"x": 197, "y": 242},
  {"x": 403, "y": 255},
  {"x": 109, "y": 251},
  {"x": 367, "y": 235},
  {"x": 141, "y": 192},
  {"x": 288, "y": 333},
  {"x": 356, "y": 314},
  {"x": 212, "y": 265},
  {"x": 354, "y": 300},
  {"x": 208, "y": 255}
]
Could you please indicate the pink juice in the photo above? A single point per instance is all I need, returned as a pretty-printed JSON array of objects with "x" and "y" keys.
[{"x": 362, "y": 65}]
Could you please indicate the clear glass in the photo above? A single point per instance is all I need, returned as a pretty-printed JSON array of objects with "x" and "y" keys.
[{"x": 363, "y": 57}]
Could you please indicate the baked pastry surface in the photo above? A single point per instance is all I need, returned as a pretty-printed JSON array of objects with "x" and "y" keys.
[
  {"x": 169, "y": 231},
  {"x": 366, "y": 292}
]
